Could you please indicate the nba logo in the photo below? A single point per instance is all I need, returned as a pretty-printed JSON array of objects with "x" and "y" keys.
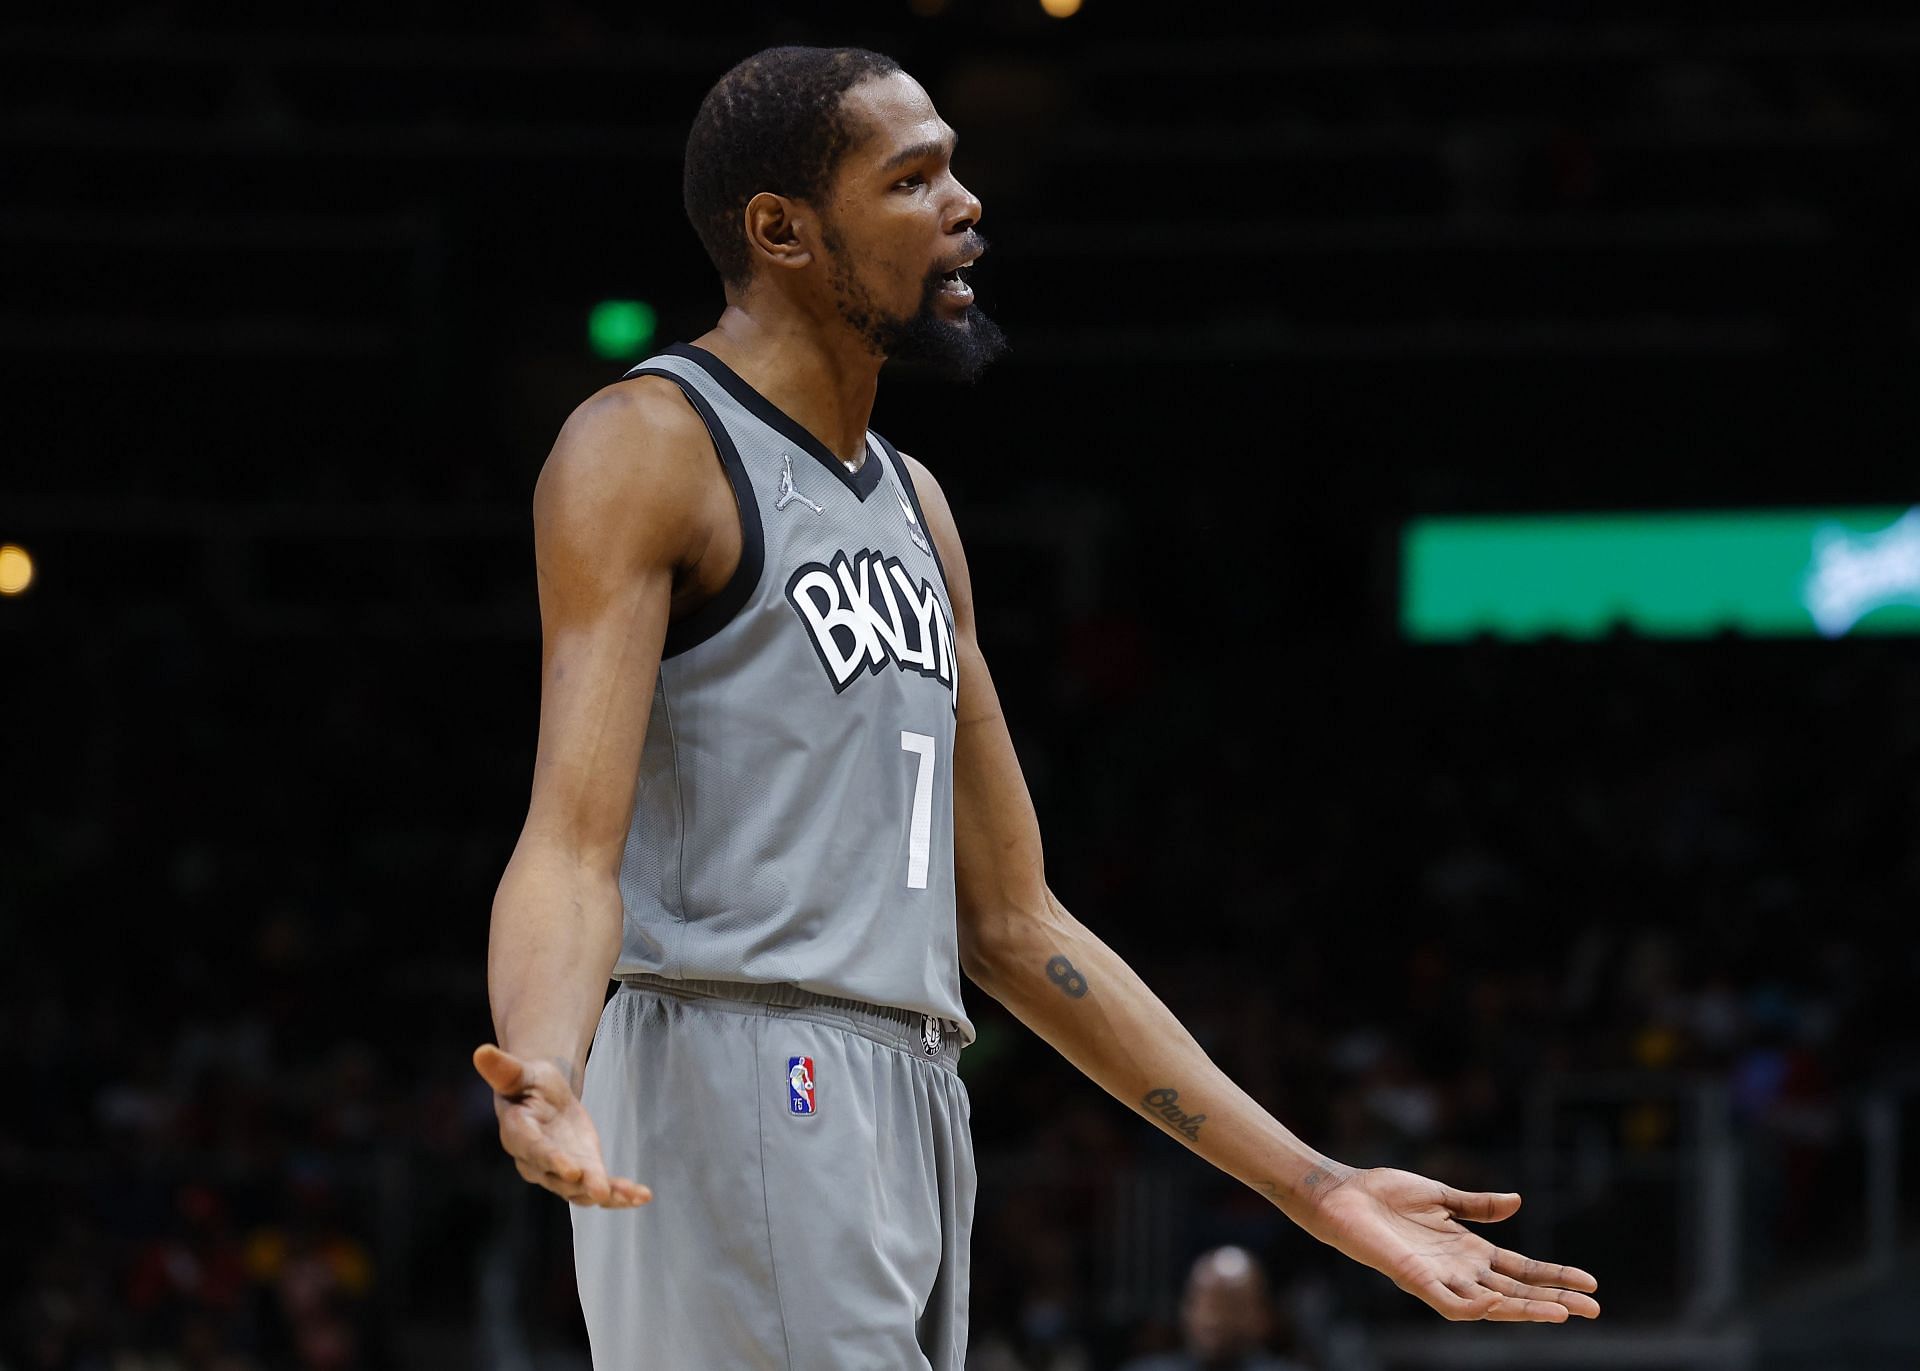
[{"x": 800, "y": 1084}]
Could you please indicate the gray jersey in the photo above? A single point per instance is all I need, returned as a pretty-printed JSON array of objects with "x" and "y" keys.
[{"x": 793, "y": 821}]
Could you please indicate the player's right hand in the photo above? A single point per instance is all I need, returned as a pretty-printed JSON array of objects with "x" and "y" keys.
[{"x": 546, "y": 1131}]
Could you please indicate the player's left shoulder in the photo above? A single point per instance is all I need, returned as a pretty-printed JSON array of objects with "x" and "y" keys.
[
  {"x": 933, "y": 500},
  {"x": 924, "y": 484},
  {"x": 943, "y": 530}
]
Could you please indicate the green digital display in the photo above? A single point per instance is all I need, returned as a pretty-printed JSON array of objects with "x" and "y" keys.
[
  {"x": 620, "y": 330},
  {"x": 1768, "y": 573}
]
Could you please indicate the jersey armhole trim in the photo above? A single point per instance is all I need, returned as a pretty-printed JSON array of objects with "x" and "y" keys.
[
  {"x": 721, "y": 610},
  {"x": 906, "y": 484}
]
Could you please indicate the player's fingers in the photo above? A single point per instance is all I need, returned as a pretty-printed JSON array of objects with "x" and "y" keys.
[
  {"x": 529, "y": 1147},
  {"x": 1542, "y": 1273},
  {"x": 628, "y": 1192},
  {"x": 594, "y": 1185},
  {"x": 569, "y": 1169},
  {"x": 1480, "y": 1206},
  {"x": 581, "y": 1178},
  {"x": 506, "y": 1073},
  {"x": 1447, "y": 1302},
  {"x": 1525, "y": 1311},
  {"x": 547, "y": 1180},
  {"x": 1481, "y": 1301},
  {"x": 1575, "y": 1303}
]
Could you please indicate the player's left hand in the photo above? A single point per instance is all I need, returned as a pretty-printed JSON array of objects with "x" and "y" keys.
[{"x": 1409, "y": 1229}]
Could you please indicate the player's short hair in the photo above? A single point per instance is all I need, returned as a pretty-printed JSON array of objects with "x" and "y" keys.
[{"x": 773, "y": 123}]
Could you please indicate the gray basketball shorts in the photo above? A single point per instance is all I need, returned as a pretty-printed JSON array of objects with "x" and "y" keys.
[{"x": 812, "y": 1176}]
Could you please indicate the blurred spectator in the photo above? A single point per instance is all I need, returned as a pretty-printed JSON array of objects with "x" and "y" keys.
[{"x": 1226, "y": 1319}]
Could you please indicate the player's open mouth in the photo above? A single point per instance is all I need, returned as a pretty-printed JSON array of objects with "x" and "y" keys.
[{"x": 953, "y": 287}]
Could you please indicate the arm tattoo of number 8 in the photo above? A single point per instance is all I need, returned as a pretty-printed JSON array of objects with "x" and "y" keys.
[{"x": 1060, "y": 971}]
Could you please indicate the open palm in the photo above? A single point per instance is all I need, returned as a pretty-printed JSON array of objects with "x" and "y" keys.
[
  {"x": 1409, "y": 1229},
  {"x": 546, "y": 1130}
]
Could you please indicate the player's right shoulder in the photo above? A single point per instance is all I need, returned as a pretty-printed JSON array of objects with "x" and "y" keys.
[{"x": 629, "y": 469}]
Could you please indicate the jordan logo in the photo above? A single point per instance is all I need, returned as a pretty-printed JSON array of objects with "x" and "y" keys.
[
  {"x": 913, "y": 525},
  {"x": 787, "y": 492}
]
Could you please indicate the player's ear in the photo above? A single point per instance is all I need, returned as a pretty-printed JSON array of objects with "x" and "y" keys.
[{"x": 780, "y": 232}]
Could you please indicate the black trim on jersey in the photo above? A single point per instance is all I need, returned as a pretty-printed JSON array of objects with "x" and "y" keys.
[
  {"x": 906, "y": 482},
  {"x": 718, "y": 612},
  {"x": 862, "y": 483}
]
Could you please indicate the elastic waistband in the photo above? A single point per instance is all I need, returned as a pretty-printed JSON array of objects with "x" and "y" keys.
[{"x": 926, "y": 1036}]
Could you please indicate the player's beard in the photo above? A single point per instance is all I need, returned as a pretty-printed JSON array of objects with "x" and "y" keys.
[{"x": 957, "y": 350}]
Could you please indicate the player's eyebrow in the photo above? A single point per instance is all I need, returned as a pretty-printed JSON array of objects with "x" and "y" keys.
[{"x": 907, "y": 156}]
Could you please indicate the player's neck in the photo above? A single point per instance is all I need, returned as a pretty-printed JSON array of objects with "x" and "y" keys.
[{"x": 821, "y": 377}]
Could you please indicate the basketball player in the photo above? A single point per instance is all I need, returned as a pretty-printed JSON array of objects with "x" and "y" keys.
[{"x": 775, "y": 798}]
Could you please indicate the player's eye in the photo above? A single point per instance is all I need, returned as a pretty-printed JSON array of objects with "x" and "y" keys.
[{"x": 909, "y": 182}]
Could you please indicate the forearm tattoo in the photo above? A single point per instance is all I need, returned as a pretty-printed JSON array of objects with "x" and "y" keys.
[
  {"x": 1061, "y": 972},
  {"x": 1310, "y": 1184},
  {"x": 1164, "y": 1101}
]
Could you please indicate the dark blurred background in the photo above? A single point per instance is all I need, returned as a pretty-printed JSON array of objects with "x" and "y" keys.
[{"x": 295, "y": 298}]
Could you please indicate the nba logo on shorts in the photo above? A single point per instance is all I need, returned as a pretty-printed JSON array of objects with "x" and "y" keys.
[{"x": 800, "y": 1085}]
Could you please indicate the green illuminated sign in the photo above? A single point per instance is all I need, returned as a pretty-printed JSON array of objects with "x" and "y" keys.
[
  {"x": 1771, "y": 573},
  {"x": 621, "y": 329}
]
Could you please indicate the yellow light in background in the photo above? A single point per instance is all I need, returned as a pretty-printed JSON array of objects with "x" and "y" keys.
[
  {"x": 16, "y": 569},
  {"x": 1061, "y": 9}
]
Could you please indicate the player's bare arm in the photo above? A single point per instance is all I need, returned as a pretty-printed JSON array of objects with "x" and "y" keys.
[
  {"x": 1021, "y": 945},
  {"x": 625, "y": 526}
]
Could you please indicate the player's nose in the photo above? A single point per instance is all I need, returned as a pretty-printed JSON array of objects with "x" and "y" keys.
[{"x": 968, "y": 212}]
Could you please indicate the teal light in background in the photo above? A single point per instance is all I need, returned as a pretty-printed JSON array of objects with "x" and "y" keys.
[
  {"x": 621, "y": 329},
  {"x": 1764, "y": 573}
]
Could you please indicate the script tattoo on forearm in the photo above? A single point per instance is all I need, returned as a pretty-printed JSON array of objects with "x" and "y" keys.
[
  {"x": 1164, "y": 1100},
  {"x": 1061, "y": 972}
]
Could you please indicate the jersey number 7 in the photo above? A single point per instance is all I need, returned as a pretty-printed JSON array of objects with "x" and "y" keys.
[{"x": 920, "y": 831}]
